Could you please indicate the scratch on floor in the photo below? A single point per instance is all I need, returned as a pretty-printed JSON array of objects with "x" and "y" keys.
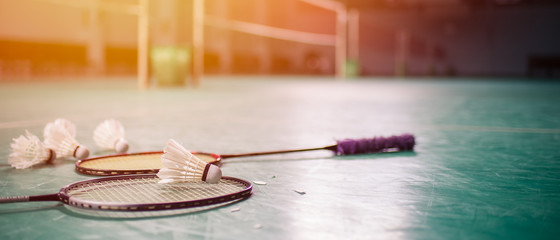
[{"x": 41, "y": 184}]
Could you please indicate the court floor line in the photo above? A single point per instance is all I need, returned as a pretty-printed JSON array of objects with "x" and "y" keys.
[
  {"x": 24, "y": 123},
  {"x": 495, "y": 129},
  {"x": 38, "y": 122},
  {"x": 28, "y": 123}
]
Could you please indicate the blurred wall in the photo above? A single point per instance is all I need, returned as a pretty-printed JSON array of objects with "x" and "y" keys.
[
  {"x": 48, "y": 37},
  {"x": 488, "y": 40},
  {"x": 43, "y": 37}
]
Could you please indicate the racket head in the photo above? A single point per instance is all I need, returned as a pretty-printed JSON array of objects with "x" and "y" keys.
[
  {"x": 143, "y": 193},
  {"x": 132, "y": 163}
]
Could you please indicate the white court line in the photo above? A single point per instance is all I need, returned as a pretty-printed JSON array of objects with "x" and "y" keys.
[
  {"x": 25, "y": 123},
  {"x": 38, "y": 122},
  {"x": 493, "y": 129}
]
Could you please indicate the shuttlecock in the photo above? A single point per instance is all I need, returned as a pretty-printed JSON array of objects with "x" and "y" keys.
[
  {"x": 181, "y": 165},
  {"x": 60, "y": 123},
  {"x": 60, "y": 136},
  {"x": 28, "y": 151},
  {"x": 110, "y": 135}
]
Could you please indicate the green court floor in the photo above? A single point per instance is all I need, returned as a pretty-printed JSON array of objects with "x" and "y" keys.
[{"x": 486, "y": 164}]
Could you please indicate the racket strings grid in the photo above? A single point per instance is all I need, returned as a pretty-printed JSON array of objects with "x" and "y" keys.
[
  {"x": 133, "y": 163},
  {"x": 145, "y": 193}
]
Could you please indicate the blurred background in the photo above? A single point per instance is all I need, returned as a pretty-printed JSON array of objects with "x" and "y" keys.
[{"x": 176, "y": 41}]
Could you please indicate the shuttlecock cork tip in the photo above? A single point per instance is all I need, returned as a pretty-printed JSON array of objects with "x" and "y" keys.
[
  {"x": 52, "y": 156},
  {"x": 121, "y": 146},
  {"x": 212, "y": 174},
  {"x": 81, "y": 152}
]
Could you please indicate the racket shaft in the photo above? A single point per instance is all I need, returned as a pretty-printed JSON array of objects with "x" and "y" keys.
[
  {"x": 48, "y": 197},
  {"x": 333, "y": 147},
  {"x": 350, "y": 146}
]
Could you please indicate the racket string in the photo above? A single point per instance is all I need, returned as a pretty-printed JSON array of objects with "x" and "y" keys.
[
  {"x": 132, "y": 163},
  {"x": 114, "y": 191},
  {"x": 148, "y": 190},
  {"x": 125, "y": 162}
]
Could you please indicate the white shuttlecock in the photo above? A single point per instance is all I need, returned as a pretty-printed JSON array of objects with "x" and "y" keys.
[
  {"x": 181, "y": 165},
  {"x": 60, "y": 123},
  {"x": 60, "y": 136},
  {"x": 110, "y": 135},
  {"x": 28, "y": 151}
]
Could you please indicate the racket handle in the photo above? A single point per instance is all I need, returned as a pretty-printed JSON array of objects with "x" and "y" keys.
[
  {"x": 47, "y": 197},
  {"x": 403, "y": 142},
  {"x": 14, "y": 199}
]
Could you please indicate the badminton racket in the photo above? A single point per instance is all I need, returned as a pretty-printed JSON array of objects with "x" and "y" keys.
[
  {"x": 143, "y": 193},
  {"x": 150, "y": 162}
]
